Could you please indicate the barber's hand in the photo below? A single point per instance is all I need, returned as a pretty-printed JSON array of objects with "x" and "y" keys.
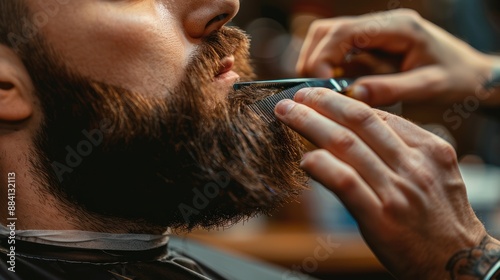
[
  {"x": 401, "y": 183},
  {"x": 434, "y": 65}
]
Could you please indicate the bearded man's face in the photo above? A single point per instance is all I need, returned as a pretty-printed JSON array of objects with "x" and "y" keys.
[{"x": 140, "y": 122}]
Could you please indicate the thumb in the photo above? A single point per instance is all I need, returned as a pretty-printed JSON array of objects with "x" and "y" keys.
[{"x": 415, "y": 85}]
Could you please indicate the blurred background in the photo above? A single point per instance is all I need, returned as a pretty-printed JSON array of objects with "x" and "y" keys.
[{"x": 292, "y": 235}]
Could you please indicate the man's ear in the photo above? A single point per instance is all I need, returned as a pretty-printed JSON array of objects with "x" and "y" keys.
[{"x": 16, "y": 88}]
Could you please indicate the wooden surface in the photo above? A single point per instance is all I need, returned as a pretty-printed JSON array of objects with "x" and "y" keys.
[{"x": 294, "y": 247}]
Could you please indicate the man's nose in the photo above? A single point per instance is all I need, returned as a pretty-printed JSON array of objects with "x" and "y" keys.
[{"x": 206, "y": 16}]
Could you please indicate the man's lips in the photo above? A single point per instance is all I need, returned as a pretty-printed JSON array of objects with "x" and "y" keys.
[
  {"x": 227, "y": 64},
  {"x": 226, "y": 77}
]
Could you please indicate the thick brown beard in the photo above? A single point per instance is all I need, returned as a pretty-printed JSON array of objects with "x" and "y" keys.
[{"x": 161, "y": 154}]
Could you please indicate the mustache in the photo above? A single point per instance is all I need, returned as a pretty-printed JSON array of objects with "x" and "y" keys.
[{"x": 227, "y": 41}]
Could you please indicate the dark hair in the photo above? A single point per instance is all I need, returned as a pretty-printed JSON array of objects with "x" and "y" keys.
[{"x": 11, "y": 14}]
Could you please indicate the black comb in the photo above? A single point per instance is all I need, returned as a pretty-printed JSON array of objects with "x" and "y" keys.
[{"x": 265, "y": 107}]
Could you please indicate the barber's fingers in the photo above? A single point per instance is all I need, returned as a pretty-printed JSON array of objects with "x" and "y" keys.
[
  {"x": 317, "y": 33},
  {"x": 343, "y": 164},
  {"x": 358, "y": 118},
  {"x": 329, "y": 41},
  {"x": 402, "y": 146},
  {"x": 423, "y": 146},
  {"x": 410, "y": 133},
  {"x": 415, "y": 85},
  {"x": 359, "y": 198},
  {"x": 342, "y": 143}
]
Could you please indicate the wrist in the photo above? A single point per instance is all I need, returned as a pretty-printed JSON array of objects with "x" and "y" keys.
[
  {"x": 488, "y": 91},
  {"x": 476, "y": 263},
  {"x": 494, "y": 272}
]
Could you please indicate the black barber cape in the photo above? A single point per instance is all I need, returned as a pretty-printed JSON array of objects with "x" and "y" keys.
[{"x": 75, "y": 255}]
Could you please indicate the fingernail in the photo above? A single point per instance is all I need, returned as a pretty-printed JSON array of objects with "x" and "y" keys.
[
  {"x": 304, "y": 157},
  {"x": 359, "y": 93},
  {"x": 338, "y": 72},
  {"x": 284, "y": 106},
  {"x": 301, "y": 95}
]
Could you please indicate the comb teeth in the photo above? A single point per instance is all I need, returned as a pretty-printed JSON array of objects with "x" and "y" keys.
[
  {"x": 337, "y": 84},
  {"x": 265, "y": 107}
]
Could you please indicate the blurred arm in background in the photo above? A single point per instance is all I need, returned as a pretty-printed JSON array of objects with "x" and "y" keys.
[{"x": 431, "y": 63}]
